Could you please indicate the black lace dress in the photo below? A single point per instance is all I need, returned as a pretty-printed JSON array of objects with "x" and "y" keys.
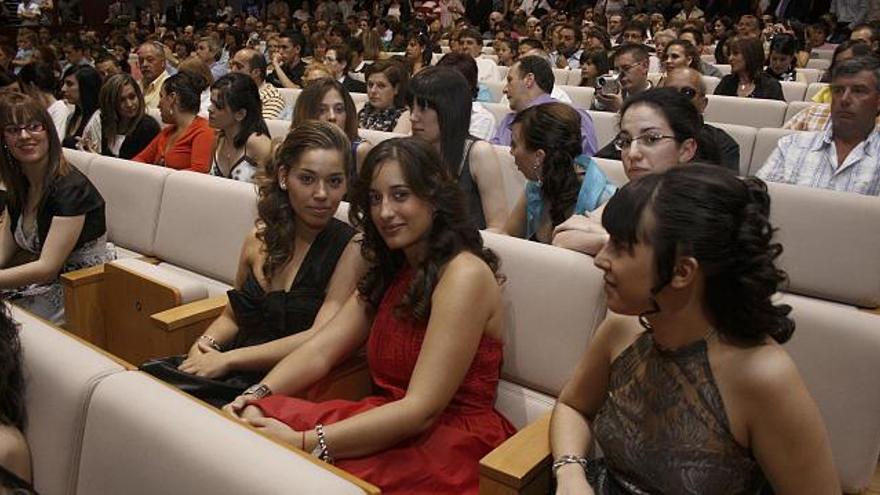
[
  {"x": 663, "y": 428},
  {"x": 265, "y": 316}
]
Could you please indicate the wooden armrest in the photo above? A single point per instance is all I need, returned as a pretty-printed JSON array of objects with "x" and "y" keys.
[
  {"x": 349, "y": 380},
  {"x": 185, "y": 315},
  {"x": 83, "y": 276},
  {"x": 521, "y": 464}
]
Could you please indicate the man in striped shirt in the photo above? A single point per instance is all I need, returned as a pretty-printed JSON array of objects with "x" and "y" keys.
[
  {"x": 252, "y": 63},
  {"x": 845, "y": 156}
]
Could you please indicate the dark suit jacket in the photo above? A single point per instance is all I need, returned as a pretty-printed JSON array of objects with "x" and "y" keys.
[
  {"x": 353, "y": 85},
  {"x": 184, "y": 18}
]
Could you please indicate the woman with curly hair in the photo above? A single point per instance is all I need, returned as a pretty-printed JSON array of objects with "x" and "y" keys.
[
  {"x": 429, "y": 310},
  {"x": 686, "y": 388},
  {"x": 561, "y": 181},
  {"x": 418, "y": 51},
  {"x": 297, "y": 268},
  {"x": 15, "y": 462}
]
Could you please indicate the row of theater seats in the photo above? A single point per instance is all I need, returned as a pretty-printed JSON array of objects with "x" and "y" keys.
[
  {"x": 190, "y": 226},
  {"x": 96, "y": 426}
]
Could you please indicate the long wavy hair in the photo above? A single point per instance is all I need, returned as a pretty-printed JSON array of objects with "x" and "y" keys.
[
  {"x": 556, "y": 129},
  {"x": 452, "y": 230},
  {"x": 12, "y": 385},
  {"x": 108, "y": 99},
  {"x": 276, "y": 221},
  {"x": 18, "y": 108},
  {"x": 240, "y": 92},
  {"x": 723, "y": 222},
  {"x": 308, "y": 105}
]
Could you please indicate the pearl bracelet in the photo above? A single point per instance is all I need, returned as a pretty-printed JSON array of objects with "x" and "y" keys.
[{"x": 211, "y": 342}]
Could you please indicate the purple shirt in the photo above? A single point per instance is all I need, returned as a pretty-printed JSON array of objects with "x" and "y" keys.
[{"x": 588, "y": 134}]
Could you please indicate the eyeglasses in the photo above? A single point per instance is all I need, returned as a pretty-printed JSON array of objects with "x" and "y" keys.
[
  {"x": 13, "y": 131},
  {"x": 647, "y": 140},
  {"x": 688, "y": 92}
]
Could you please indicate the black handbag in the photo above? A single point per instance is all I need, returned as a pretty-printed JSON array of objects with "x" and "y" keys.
[{"x": 217, "y": 392}]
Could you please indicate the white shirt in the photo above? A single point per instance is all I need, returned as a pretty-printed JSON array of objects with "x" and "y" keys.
[
  {"x": 482, "y": 121},
  {"x": 60, "y": 112}
]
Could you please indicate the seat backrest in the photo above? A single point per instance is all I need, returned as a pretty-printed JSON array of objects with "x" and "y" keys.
[
  {"x": 821, "y": 54},
  {"x": 819, "y": 64},
  {"x": 711, "y": 83},
  {"x": 143, "y": 437},
  {"x": 814, "y": 88},
  {"x": 752, "y": 112},
  {"x": 496, "y": 89},
  {"x": 554, "y": 299},
  {"x": 498, "y": 110},
  {"x": 359, "y": 99},
  {"x": 154, "y": 113},
  {"x": 376, "y": 137},
  {"x": 831, "y": 243},
  {"x": 765, "y": 143},
  {"x": 203, "y": 222},
  {"x": 605, "y": 124},
  {"x": 810, "y": 75},
  {"x": 79, "y": 159},
  {"x": 793, "y": 90},
  {"x": 723, "y": 68},
  {"x": 278, "y": 129},
  {"x": 61, "y": 373},
  {"x": 514, "y": 180},
  {"x": 133, "y": 195},
  {"x": 289, "y": 95},
  {"x": 835, "y": 349},
  {"x": 745, "y": 138},
  {"x": 794, "y": 107},
  {"x": 613, "y": 169},
  {"x": 502, "y": 71},
  {"x": 562, "y": 76},
  {"x": 581, "y": 96}
]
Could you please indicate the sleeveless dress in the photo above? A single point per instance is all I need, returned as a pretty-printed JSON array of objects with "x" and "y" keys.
[
  {"x": 263, "y": 317},
  {"x": 242, "y": 170},
  {"x": 469, "y": 187},
  {"x": 445, "y": 458},
  {"x": 663, "y": 428}
]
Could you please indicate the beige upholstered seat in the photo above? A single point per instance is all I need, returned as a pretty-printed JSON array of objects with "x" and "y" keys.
[
  {"x": 376, "y": 137},
  {"x": 794, "y": 107},
  {"x": 613, "y": 169},
  {"x": 810, "y": 75},
  {"x": 711, "y": 83},
  {"x": 61, "y": 374},
  {"x": 765, "y": 143},
  {"x": 289, "y": 95},
  {"x": 814, "y": 88},
  {"x": 745, "y": 111},
  {"x": 605, "y": 124},
  {"x": 496, "y": 89},
  {"x": 819, "y": 63},
  {"x": 745, "y": 138},
  {"x": 142, "y": 437},
  {"x": 79, "y": 159},
  {"x": 514, "y": 180},
  {"x": 498, "y": 110},
  {"x": 278, "y": 129},
  {"x": 793, "y": 90},
  {"x": 581, "y": 96}
]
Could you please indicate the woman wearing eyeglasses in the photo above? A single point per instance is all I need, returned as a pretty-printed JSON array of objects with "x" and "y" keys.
[
  {"x": 659, "y": 129},
  {"x": 54, "y": 221}
]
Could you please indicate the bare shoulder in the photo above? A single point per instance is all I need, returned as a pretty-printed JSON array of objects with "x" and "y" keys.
[
  {"x": 14, "y": 452},
  {"x": 466, "y": 269},
  {"x": 616, "y": 333},
  {"x": 756, "y": 373}
]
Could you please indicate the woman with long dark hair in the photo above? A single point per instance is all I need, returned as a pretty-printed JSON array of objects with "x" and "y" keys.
[
  {"x": 691, "y": 362},
  {"x": 15, "y": 468},
  {"x": 747, "y": 78},
  {"x": 418, "y": 51},
  {"x": 297, "y": 268},
  {"x": 440, "y": 112},
  {"x": 81, "y": 85},
  {"x": 242, "y": 144},
  {"x": 120, "y": 127},
  {"x": 429, "y": 310},
  {"x": 53, "y": 212}
]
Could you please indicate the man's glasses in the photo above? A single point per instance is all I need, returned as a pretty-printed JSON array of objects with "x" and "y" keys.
[
  {"x": 688, "y": 92},
  {"x": 13, "y": 131}
]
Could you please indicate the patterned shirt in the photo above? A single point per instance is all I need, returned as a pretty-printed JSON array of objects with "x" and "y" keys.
[
  {"x": 273, "y": 102},
  {"x": 812, "y": 118},
  {"x": 810, "y": 159}
]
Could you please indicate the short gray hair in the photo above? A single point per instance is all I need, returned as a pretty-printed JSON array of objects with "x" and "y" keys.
[{"x": 855, "y": 65}]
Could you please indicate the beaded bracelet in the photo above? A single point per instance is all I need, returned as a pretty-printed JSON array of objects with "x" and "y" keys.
[
  {"x": 211, "y": 342},
  {"x": 322, "y": 444},
  {"x": 569, "y": 459}
]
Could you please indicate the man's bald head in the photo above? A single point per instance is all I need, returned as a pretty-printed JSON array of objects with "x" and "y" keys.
[
  {"x": 690, "y": 83},
  {"x": 249, "y": 62}
]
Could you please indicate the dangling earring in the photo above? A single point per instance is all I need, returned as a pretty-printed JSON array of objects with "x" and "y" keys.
[
  {"x": 536, "y": 170},
  {"x": 282, "y": 183}
]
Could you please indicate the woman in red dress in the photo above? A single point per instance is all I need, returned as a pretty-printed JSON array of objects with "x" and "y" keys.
[{"x": 429, "y": 310}]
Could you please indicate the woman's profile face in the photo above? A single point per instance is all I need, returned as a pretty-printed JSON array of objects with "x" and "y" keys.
[
  {"x": 505, "y": 54},
  {"x": 315, "y": 186},
  {"x": 526, "y": 160},
  {"x": 128, "y": 103},
  {"x": 589, "y": 71},
  {"x": 220, "y": 117},
  {"x": 166, "y": 106},
  {"x": 676, "y": 58},
  {"x": 402, "y": 218},
  {"x": 70, "y": 90},
  {"x": 380, "y": 91},
  {"x": 736, "y": 60},
  {"x": 425, "y": 123},
  {"x": 332, "y": 109},
  {"x": 629, "y": 276},
  {"x": 651, "y": 149},
  {"x": 413, "y": 50}
]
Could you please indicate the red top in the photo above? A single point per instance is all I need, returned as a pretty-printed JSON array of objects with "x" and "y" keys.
[
  {"x": 191, "y": 151},
  {"x": 445, "y": 458}
]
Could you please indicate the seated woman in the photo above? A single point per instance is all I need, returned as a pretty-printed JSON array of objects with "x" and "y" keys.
[
  {"x": 666, "y": 130},
  {"x": 15, "y": 456},
  {"x": 681, "y": 53},
  {"x": 296, "y": 270},
  {"x": 440, "y": 112},
  {"x": 688, "y": 390},
  {"x": 235, "y": 114},
  {"x": 418, "y": 51},
  {"x": 747, "y": 78},
  {"x": 385, "y": 109},
  {"x": 81, "y": 85},
  {"x": 54, "y": 215},
  {"x": 430, "y": 313},
  {"x": 119, "y": 127},
  {"x": 186, "y": 143},
  {"x": 328, "y": 101},
  {"x": 546, "y": 147},
  {"x": 782, "y": 60},
  {"x": 594, "y": 63}
]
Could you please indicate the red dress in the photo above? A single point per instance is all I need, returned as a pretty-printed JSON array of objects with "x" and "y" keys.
[{"x": 445, "y": 458}]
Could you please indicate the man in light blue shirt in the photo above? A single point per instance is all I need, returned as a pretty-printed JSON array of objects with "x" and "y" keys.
[{"x": 845, "y": 156}]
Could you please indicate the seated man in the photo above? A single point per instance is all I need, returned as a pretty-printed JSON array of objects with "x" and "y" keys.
[
  {"x": 845, "y": 156},
  {"x": 251, "y": 63},
  {"x": 471, "y": 43},
  {"x": 631, "y": 62},
  {"x": 725, "y": 151},
  {"x": 696, "y": 38},
  {"x": 568, "y": 54},
  {"x": 529, "y": 83}
]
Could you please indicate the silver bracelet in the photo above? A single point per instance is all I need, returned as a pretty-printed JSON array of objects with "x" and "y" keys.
[
  {"x": 211, "y": 342},
  {"x": 321, "y": 451},
  {"x": 569, "y": 459}
]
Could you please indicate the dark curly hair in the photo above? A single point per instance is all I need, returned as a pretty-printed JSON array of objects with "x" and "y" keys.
[
  {"x": 12, "y": 386},
  {"x": 720, "y": 220},
  {"x": 452, "y": 230},
  {"x": 276, "y": 221},
  {"x": 556, "y": 129}
]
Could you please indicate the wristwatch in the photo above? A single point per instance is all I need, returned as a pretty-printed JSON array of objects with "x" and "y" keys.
[{"x": 258, "y": 390}]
